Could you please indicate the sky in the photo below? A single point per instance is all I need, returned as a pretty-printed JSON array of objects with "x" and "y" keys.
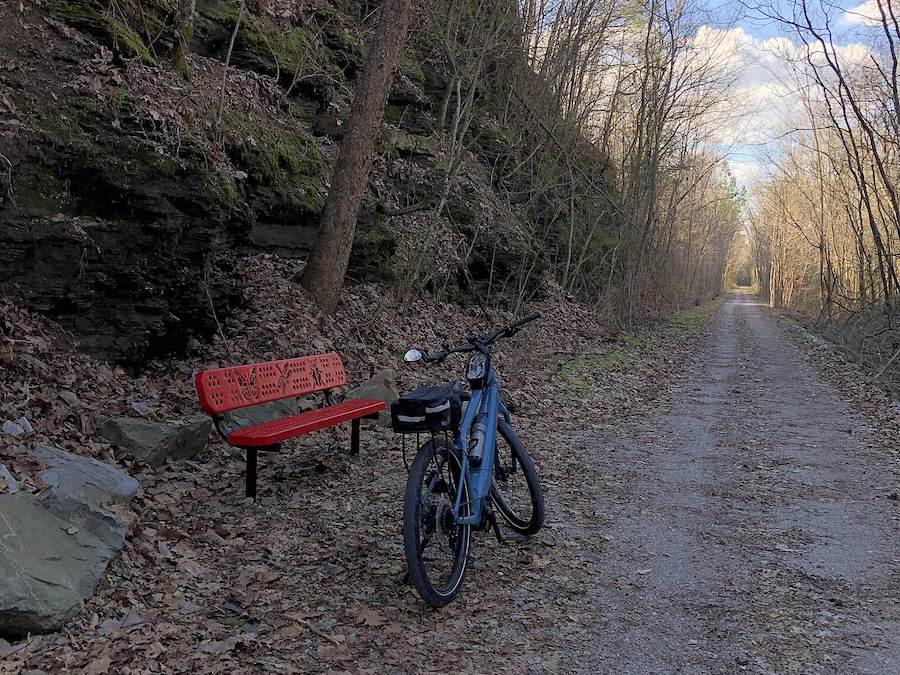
[{"x": 752, "y": 46}]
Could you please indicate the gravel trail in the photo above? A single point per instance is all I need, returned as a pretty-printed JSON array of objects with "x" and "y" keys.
[{"x": 756, "y": 527}]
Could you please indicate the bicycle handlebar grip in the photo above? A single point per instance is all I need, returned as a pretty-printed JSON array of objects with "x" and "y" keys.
[{"x": 526, "y": 319}]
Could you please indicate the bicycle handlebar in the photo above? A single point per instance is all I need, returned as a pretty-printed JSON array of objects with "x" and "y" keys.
[{"x": 476, "y": 343}]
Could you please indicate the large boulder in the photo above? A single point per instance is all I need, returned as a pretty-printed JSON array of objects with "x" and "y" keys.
[
  {"x": 380, "y": 387},
  {"x": 54, "y": 547},
  {"x": 155, "y": 442},
  {"x": 52, "y": 560},
  {"x": 262, "y": 412}
]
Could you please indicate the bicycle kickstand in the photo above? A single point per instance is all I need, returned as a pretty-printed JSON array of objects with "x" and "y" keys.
[
  {"x": 492, "y": 521},
  {"x": 510, "y": 539}
]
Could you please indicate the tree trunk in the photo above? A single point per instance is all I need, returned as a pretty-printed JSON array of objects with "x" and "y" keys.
[
  {"x": 325, "y": 274},
  {"x": 185, "y": 32}
]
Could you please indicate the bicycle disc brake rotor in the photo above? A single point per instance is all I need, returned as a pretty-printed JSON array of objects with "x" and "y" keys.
[{"x": 444, "y": 526}]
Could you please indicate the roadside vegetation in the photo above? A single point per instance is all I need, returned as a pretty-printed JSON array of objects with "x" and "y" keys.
[
  {"x": 625, "y": 356},
  {"x": 825, "y": 224}
]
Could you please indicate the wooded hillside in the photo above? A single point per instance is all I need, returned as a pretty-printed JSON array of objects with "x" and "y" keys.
[
  {"x": 449, "y": 336},
  {"x": 148, "y": 146}
]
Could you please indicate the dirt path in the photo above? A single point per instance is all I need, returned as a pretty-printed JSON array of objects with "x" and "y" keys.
[
  {"x": 752, "y": 521},
  {"x": 742, "y": 517}
]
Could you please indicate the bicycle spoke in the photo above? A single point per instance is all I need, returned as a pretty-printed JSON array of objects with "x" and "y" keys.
[
  {"x": 515, "y": 490},
  {"x": 438, "y": 532}
]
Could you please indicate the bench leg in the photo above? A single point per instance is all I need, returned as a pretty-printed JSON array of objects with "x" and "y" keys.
[
  {"x": 354, "y": 437},
  {"x": 251, "y": 472}
]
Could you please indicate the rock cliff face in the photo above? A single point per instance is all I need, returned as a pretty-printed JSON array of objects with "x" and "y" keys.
[{"x": 127, "y": 192}]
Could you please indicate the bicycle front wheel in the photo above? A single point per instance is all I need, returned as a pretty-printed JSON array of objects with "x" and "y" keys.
[
  {"x": 436, "y": 547},
  {"x": 515, "y": 490}
]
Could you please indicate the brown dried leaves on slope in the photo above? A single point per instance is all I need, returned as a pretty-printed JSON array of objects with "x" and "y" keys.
[{"x": 313, "y": 570}]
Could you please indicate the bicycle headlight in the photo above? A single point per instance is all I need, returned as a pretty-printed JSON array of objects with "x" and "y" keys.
[{"x": 476, "y": 371}]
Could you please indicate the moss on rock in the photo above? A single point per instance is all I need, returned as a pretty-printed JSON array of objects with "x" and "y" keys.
[
  {"x": 346, "y": 48},
  {"x": 374, "y": 246},
  {"x": 286, "y": 174},
  {"x": 131, "y": 28},
  {"x": 266, "y": 48}
]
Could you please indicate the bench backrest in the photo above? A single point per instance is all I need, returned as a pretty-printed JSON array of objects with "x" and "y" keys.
[{"x": 224, "y": 389}]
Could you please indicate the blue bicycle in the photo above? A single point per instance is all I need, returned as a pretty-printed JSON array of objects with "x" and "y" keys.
[{"x": 471, "y": 464}]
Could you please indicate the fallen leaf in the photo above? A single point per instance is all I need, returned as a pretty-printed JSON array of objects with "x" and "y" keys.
[
  {"x": 220, "y": 646},
  {"x": 98, "y": 666},
  {"x": 367, "y": 617}
]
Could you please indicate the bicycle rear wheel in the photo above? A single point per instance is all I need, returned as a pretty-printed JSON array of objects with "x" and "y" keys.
[
  {"x": 436, "y": 548},
  {"x": 515, "y": 489}
]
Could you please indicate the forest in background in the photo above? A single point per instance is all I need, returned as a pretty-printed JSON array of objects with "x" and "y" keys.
[
  {"x": 825, "y": 223},
  {"x": 610, "y": 119},
  {"x": 527, "y": 147}
]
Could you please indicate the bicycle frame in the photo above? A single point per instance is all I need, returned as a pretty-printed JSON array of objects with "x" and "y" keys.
[{"x": 484, "y": 405}]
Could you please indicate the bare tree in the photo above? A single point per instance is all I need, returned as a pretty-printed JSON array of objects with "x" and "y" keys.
[{"x": 325, "y": 275}]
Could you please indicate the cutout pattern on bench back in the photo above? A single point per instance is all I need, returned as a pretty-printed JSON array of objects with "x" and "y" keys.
[{"x": 224, "y": 389}]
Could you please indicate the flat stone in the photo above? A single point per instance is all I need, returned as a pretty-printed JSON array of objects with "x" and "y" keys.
[
  {"x": 82, "y": 478},
  {"x": 192, "y": 437},
  {"x": 155, "y": 442},
  {"x": 264, "y": 412},
  {"x": 14, "y": 429}
]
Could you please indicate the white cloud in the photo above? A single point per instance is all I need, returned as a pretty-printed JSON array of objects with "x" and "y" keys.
[
  {"x": 761, "y": 92},
  {"x": 865, "y": 14},
  {"x": 746, "y": 171},
  {"x": 766, "y": 100}
]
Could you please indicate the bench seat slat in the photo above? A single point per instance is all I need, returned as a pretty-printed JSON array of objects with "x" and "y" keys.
[{"x": 276, "y": 431}]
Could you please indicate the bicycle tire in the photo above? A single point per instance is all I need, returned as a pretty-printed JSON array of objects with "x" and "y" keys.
[
  {"x": 413, "y": 513},
  {"x": 516, "y": 522}
]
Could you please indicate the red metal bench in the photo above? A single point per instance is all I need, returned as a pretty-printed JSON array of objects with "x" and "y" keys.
[{"x": 224, "y": 389}]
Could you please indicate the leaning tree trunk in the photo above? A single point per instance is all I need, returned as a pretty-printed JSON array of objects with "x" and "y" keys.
[
  {"x": 184, "y": 33},
  {"x": 325, "y": 274}
]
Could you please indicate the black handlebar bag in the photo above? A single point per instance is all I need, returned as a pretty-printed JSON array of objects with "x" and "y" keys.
[{"x": 428, "y": 409}]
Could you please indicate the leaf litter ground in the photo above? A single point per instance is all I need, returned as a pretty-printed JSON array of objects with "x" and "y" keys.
[{"x": 311, "y": 576}]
